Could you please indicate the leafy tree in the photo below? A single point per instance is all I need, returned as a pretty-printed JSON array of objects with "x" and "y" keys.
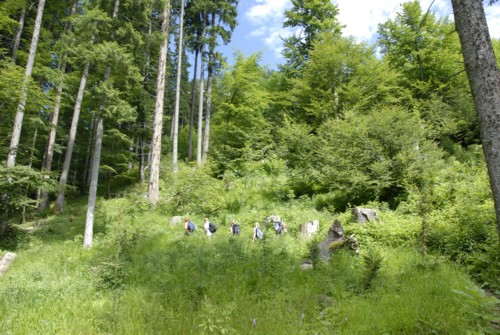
[
  {"x": 422, "y": 47},
  {"x": 239, "y": 125},
  {"x": 310, "y": 18},
  {"x": 425, "y": 50},
  {"x": 17, "y": 186},
  {"x": 366, "y": 157}
]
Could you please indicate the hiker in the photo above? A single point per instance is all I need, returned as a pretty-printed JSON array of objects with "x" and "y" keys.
[
  {"x": 258, "y": 234},
  {"x": 278, "y": 227},
  {"x": 235, "y": 228},
  {"x": 188, "y": 226},
  {"x": 210, "y": 228},
  {"x": 283, "y": 227}
]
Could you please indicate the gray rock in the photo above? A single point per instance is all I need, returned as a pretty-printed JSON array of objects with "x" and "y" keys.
[
  {"x": 364, "y": 215},
  {"x": 6, "y": 261},
  {"x": 310, "y": 228}
]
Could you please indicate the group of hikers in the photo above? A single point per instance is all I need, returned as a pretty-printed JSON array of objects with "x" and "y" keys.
[{"x": 210, "y": 228}]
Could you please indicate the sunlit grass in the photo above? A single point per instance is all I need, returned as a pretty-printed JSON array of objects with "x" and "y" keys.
[{"x": 143, "y": 276}]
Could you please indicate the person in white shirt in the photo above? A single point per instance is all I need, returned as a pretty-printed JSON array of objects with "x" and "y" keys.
[{"x": 206, "y": 225}]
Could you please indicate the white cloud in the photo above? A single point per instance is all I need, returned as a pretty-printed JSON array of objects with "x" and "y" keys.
[
  {"x": 493, "y": 18},
  {"x": 266, "y": 10},
  {"x": 362, "y": 17},
  {"x": 263, "y": 20},
  {"x": 266, "y": 19}
]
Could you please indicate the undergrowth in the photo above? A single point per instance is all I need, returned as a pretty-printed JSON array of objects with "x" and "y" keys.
[{"x": 144, "y": 276}]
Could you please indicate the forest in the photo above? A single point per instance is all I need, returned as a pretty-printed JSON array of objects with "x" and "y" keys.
[{"x": 120, "y": 118}]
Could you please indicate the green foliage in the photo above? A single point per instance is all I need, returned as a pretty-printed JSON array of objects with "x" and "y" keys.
[
  {"x": 367, "y": 157},
  {"x": 239, "y": 131},
  {"x": 143, "y": 267},
  {"x": 191, "y": 190},
  {"x": 311, "y": 17},
  {"x": 17, "y": 185},
  {"x": 372, "y": 262}
]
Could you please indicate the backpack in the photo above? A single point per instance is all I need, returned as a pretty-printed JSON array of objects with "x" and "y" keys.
[
  {"x": 212, "y": 227},
  {"x": 260, "y": 234},
  {"x": 236, "y": 229},
  {"x": 191, "y": 226}
]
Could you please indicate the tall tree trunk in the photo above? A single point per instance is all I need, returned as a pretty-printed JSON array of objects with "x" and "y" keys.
[
  {"x": 96, "y": 160},
  {"x": 178, "y": 93},
  {"x": 141, "y": 159},
  {"x": 208, "y": 112},
  {"x": 43, "y": 199},
  {"x": 18, "y": 123},
  {"x": 89, "y": 222},
  {"x": 19, "y": 32},
  {"x": 59, "y": 206},
  {"x": 154, "y": 175},
  {"x": 191, "y": 111},
  {"x": 484, "y": 80},
  {"x": 201, "y": 97}
]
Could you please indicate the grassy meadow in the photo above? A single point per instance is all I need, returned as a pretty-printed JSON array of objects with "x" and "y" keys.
[{"x": 144, "y": 276}]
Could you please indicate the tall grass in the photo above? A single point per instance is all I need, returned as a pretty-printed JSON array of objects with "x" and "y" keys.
[
  {"x": 144, "y": 276},
  {"x": 167, "y": 283}
]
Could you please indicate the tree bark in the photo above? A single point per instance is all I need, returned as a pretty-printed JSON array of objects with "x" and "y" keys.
[
  {"x": 208, "y": 112},
  {"x": 43, "y": 199},
  {"x": 18, "y": 123},
  {"x": 59, "y": 206},
  {"x": 193, "y": 98},
  {"x": 201, "y": 97},
  {"x": 178, "y": 93},
  {"x": 89, "y": 222},
  {"x": 154, "y": 175},
  {"x": 484, "y": 80},
  {"x": 19, "y": 32},
  {"x": 94, "y": 179}
]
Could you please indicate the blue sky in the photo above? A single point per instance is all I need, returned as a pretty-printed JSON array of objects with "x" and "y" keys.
[{"x": 260, "y": 23}]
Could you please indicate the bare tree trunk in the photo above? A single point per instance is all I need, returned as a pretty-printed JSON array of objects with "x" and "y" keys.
[
  {"x": 200, "y": 100},
  {"x": 32, "y": 154},
  {"x": 208, "y": 112},
  {"x": 89, "y": 222},
  {"x": 89, "y": 156},
  {"x": 18, "y": 123},
  {"x": 43, "y": 199},
  {"x": 19, "y": 32},
  {"x": 178, "y": 93},
  {"x": 141, "y": 159},
  {"x": 154, "y": 175},
  {"x": 484, "y": 80},
  {"x": 59, "y": 206},
  {"x": 94, "y": 179},
  {"x": 191, "y": 112}
]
